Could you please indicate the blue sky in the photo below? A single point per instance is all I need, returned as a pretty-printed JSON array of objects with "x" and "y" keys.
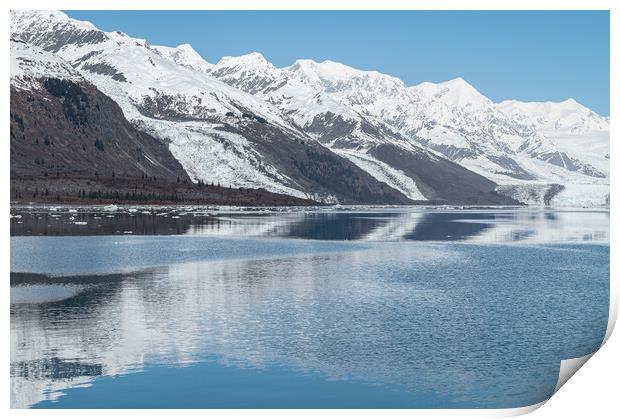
[{"x": 530, "y": 56}]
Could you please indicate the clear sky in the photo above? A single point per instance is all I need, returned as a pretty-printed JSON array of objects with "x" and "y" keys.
[{"x": 530, "y": 56}]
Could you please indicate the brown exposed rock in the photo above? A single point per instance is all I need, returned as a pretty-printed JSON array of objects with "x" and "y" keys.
[{"x": 74, "y": 129}]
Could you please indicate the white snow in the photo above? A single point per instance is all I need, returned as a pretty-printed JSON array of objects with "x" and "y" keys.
[
  {"x": 184, "y": 55},
  {"x": 30, "y": 63},
  {"x": 456, "y": 93},
  {"x": 384, "y": 173},
  {"x": 583, "y": 195}
]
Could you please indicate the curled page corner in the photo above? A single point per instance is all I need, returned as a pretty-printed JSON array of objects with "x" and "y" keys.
[
  {"x": 517, "y": 411},
  {"x": 613, "y": 313},
  {"x": 568, "y": 367}
]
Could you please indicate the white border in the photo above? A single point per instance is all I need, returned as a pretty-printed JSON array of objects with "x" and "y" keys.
[{"x": 596, "y": 385}]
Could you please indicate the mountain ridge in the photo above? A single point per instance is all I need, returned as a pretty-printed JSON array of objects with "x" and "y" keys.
[
  {"x": 352, "y": 113},
  {"x": 451, "y": 118}
]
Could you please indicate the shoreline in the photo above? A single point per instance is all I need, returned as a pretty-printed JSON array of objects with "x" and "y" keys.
[
  {"x": 127, "y": 207},
  {"x": 57, "y": 190},
  {"x": 74, "y": 190}
]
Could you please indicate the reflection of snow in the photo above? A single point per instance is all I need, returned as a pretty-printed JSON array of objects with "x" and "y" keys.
[
  {"x": 527, "y": 225},
  {"x": 389, "y": 313},
  {"x": 549, "y": 227},
  {"x": 176, "y": 315},
  {"x": 509, "y": 226},
  {"x": 271, "y": 300},
  {"x": 501, "y": 226}
]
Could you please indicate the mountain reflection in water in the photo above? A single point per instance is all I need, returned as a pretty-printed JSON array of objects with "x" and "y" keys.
[
  {"x": 491, "y": 225},
  {"x": 379, "y": 309}
]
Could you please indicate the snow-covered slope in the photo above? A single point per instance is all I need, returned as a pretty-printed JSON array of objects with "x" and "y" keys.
[
  {"x": 29, "y": 65},
  {"x": 569, "y": 126},
  {"x": 339, "y": 106},
  {"x": 522, "y": 145},
  {"x": 576, "y": 138},
  {"x": 184, "y": 55},
  {"x": 568, "y": 116}
]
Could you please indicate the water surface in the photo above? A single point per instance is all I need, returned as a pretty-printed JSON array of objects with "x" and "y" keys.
[{"x": 392, "y": 307}]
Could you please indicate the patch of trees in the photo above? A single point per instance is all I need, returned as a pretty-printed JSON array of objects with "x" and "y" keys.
[
  {"x": 327, "y": 170},
  {"x": 117, "y": 195},
  {"x": 75, "y": 104}
]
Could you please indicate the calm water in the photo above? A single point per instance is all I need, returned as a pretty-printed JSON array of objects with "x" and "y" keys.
[{"x": 196, "y": 307}]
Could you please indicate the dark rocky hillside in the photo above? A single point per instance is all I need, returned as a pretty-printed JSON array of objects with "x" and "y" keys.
[
  {"x": 313, "y": 167},
  {"x": 70, "y": 128},
  {"x": 441, "y": 179}
]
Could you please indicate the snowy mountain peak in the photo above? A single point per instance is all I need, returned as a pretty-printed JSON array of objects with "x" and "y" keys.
[
  {"x": 328, "y": 70},
  {"x": 459, "y": 84},
  {"x": 251, "y": 73},
  {"x": 51, "y": 30},
  {"x": 251, "y": 59},
  {"x": 46, "y": 19},
  {"x": 184, "y": 55},
  {"x": 456, "y": 92},
  {"x": 303, "y": 63},
  {"x": 31, "y": 17},
  {"x": 570, "y": 102},
  {"x": 333, "y": 77},
  {"x": 568, "y": 116}
]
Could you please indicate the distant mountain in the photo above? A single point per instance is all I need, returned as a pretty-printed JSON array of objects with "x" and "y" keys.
[
  {"x": 532, "y": 148},
  {"x": 328, "y": 131}
]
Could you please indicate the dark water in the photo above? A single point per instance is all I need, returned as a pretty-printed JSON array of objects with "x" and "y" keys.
[{"x": 360, "y": 308}]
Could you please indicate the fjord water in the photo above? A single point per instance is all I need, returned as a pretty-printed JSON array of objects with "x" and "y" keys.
[{"x": 190, "y": 307}]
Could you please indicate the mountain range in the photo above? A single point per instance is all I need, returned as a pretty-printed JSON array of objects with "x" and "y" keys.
[{"x": 324, "y": 131}]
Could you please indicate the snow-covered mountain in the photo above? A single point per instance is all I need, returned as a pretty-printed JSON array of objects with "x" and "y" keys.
[
  {"x": 219, "y": 134},
  {"x": 244, "y": 122},
  {"x": 570, "y": 127},
  {"x": 339, "y": 106},
  {"x": 225, "y": 134},
  {"x": 529, "y": 149}
]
